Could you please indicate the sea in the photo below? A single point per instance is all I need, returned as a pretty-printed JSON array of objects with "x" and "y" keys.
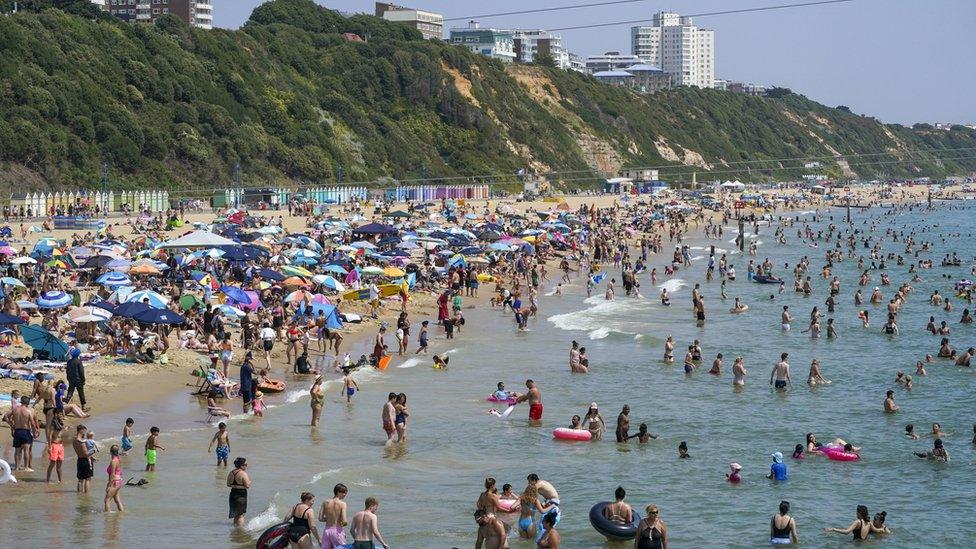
[{"x": 427, "y": 487}]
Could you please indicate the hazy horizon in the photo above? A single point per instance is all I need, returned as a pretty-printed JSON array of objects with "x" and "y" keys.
[{"x": 899, "y": 61}]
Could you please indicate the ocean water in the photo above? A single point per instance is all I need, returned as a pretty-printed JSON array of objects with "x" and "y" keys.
[{"x": 427, "y": 487}]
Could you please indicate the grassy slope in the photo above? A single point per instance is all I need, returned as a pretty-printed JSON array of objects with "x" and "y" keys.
[{"x": 178, "y": 107}]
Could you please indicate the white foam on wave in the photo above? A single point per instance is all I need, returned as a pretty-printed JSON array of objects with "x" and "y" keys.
[
  {"x": 294, "y": 396},
  {"x": 599, "y": 333},
  {"x": 673, "y": 285},
  {"x": 319, "y": 476},
  {"x": 807, "y": 212},
  {"x": 697, "y": 257},
  {"x": 696, "y": 248},
  {"x": 411, "y": 363},
  {"x": 267, "y": 518}
]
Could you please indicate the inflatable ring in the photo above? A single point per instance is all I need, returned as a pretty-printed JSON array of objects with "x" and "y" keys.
[
  {"x": 505, "y": 505},
  {"x": 563, "y": 433},
  {"x": 275, "y": 537},
  {"x": 838, "y": 454},
  {"x": 5, "y": 475},
  {"x": 614, "y": 531},
  {"x": 493, "y": 398}
]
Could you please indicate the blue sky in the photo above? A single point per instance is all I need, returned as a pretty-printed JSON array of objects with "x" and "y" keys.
[{"x": 898, "y": 60}]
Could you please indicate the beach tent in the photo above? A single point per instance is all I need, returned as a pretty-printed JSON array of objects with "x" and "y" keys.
[
  {"x": 330, "y": 312},
  {"x": 733, "y": 186},
  {"x": 198, "y": 239}
]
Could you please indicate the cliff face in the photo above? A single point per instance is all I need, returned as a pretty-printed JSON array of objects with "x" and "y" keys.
[{"x": 292, "y": 101}]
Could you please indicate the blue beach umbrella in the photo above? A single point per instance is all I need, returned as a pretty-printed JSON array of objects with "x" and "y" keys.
[
  {"x": 154, "y": 299},
  {"x": 39, "y": 339},
  {"x": 235, "y": 293},
  {"x": 130, "y": 309},
  {"x": 113, "y": 279},
  {"x": 159, "y": 316},
  {"x": 6, "y": 319},
  {"x": 53, "y": 300}
]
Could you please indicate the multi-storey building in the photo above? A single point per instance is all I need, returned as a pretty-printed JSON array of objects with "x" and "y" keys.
[
  {"x": 530, "y": 43},
  {"x": 196, "y": 13},
  {"x": 494, "y": 43},
  {"x": 680, "y": 48},
  {"x": 610, "y": 61},
  {"x": 430, "y": 24}
]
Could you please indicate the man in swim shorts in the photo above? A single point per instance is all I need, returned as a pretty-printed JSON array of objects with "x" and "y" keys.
[
  {"x": 333, "y": 513},
  {"x": 365, "y": 527},
  {"x": 84, "y": 469},
  {"x": 786, "y": 318},
  {"x": 389, "y": 414},
  {"x": 25, "y": 430},
  {"x": 534, "y": 396},
  {"x": 781, "y": 373}
]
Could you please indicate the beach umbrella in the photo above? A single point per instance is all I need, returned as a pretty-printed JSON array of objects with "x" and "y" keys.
[
  {"x": 154, "y": 299},
  {"x": 53, "y": 300},
  {"x": 334, "y": 268},
  {"x": 329, "y": 282},
  {"x": 23, "y": 260},
  {"x": 144, "y": 270},
  {"x": 270, "y": 275},
  {"x": 297, "y": 271},
  {"x": 6, "y": 319},
  {"x": 189, "y": 301},
  {"x": 159, "y": 316},
  {"x": 88, "y": 314},
  {"x": 302, "y": 253},
  {"x": 97, "y": 261},
  {"x": 59, "y": 264},
  {"x": 40, "y": 339},
  {"x": 113, "y": 279},
  {"x": 372, "y": 270},
  {"x": 393, "y": 272},
  {"x": 7, "y": 250},
  {"x": 363, "y": 244},
  {"x": 298, "y": 295},
  {"x": 398, "y": 214},
  {"x": 294, "y": 281},
  {"x": 11, "y": 281},
  {"x": 108, "y": 306},
  {"x": 235, "y": 293},
  {"x": 270, "y": 229},
  {"x": 24, "y": 304},
  {"x": 500, "y": 246},
  {"x": 130, "y": 308},
  {"x": 229, "y": 311},
  {"x": 305, "y": 261}
]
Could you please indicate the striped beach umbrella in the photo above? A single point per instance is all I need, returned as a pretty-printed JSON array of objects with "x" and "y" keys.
[
  {"x": 154, "y": 299},
  {"x": 113, "y": 279},
  {"x": 53, "y": 300}
]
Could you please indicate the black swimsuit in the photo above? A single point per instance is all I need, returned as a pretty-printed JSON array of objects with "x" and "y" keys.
[
  {"x": 650, "y": 539},
  {"x": 299, "y": 525}
]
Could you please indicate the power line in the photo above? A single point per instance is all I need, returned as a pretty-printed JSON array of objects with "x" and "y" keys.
[
  {"x": 706, "y": 14},
  {"x": 540, "y": 10}
]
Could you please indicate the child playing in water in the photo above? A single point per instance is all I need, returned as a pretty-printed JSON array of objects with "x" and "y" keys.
[
  {"x": 734, "y": 477},
  {"x": 127, "y": 435},
  {"x": 349, "y": 385},
  {"x": 910, "y": 431},
  {"x": 422, "y": 338},
  {"x": 152, "y": 446},
  {"x": 55, "y": 454},
  {"x": 798, "y": 452},
  {"x": 258, "y": 404},
  {"x": 642, "y": 435},
  {"x": 212, "y": 407},
  {"x": 222, "y": 439},
  {"x": 441, "y": 363}
]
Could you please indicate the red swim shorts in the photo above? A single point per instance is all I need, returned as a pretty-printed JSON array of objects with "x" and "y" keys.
[{"x": 535, "y": 411}]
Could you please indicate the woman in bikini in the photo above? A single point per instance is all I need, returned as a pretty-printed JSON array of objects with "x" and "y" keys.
[
  {"x": 114, "y": 485},
  {"x": 402, "y": 413}
]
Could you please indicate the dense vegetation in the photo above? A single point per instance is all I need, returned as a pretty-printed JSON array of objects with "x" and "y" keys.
[{"x": 291, "y": 100}]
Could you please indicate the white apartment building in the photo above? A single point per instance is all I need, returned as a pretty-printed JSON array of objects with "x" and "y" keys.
[
  {"x": 494, "y": 43},
  {"x": 679, "y": 47},
  {"x": 430, "y": 24},
  {"x": 530, "y": 43},
  {"x": 610, "y": 61},
  {"x": 576, "y": 63}
]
